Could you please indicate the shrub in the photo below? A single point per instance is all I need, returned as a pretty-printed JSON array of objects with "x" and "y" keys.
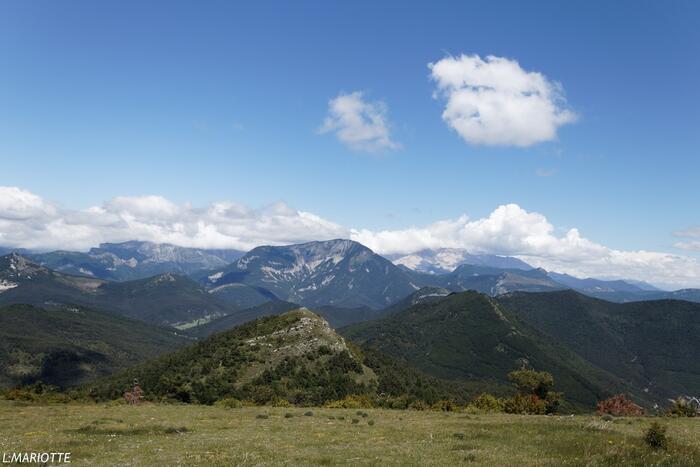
[
  {"x": 444, "y": 405},
  {"x": 262, "y": 416},
  {"x": 308, "y": 414},
  {"x": 418, "y": 405},
  {"x": 682, "y": 407},
  {"x": 607, "y": 417},
  {"x": 355, "y": 421},
  {"x": 655, "y": 437},
  {"x": 280, "y": 402},
  {"x": 288, "y": 415},
  {"x": 370, "y": 423},
  {"x": 354, "y": 401},
  {"x": 525, "y": 404},
  {"x": 229, "y": 403},
  {"x": 487, "y": 403},
  {"x": 619, "y": 406}
]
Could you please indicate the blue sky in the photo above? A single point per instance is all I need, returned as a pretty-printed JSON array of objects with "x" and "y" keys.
[{"x": 208, "y": 101}]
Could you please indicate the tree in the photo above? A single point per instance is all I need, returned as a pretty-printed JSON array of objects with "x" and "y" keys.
[
  {"x": 534, "y": 393},
  {"x": 532, "y": 382}
]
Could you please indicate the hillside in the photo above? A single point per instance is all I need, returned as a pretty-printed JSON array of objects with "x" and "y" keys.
[
  {"x": 469, "y": 337},
  {"x": 338, "y": 273},
  {"x": 295, "y": 356},
  {"x": 652, "y": 344},
  {"x": 71, "y": 346}
]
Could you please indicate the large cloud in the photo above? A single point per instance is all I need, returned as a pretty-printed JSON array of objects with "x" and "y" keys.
[
  {"x": 27, "y": 220},
  {"x": 496, "y": 102},
  {"x": 360, "y": 124},
  {"x": 511, "y": 230}
]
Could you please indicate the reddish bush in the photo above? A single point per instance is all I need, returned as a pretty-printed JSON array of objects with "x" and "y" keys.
[{"x": 619, "y": 406}]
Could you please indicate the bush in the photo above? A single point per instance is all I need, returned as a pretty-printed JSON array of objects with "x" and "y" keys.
[
  {"x": 288, "y": 415},
  {"x": 370, "y": 423},
  {"x": 522, "y": 404},
  {"x": 607, "y": 417},
  {"x": 229, "y": 403},
  {"x": 682, "y": 407},
  {"x": 418, "y": 405},
  {"x": 308, "y": 414},
  {"x": 619, "y": 406},
  {"x": 655, "y": 437},
  {"x": 262, "y": 416},
  {"x": 444, "y": 406},
  {"x": 355, "y": 421},
  {"x": 354, "y": 401},
  {"x": 487, "y": 403},
  {"x": 280, "y": 402}
]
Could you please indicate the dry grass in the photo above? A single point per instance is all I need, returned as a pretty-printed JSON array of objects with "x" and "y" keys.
[{"x": 213, "y": 436}]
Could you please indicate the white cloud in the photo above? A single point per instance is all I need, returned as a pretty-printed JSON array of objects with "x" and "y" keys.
[
  {"x": 495, "y": 102},
  {"x": 26, "y": 220},
  {"x": 29, "y": 221},
  {"x": 511, "y": 230},
  {"x": 693, "y": 234},
  {"x": 360, "y": 124}
]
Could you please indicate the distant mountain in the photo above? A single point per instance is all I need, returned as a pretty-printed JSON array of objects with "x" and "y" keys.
[
  {"x": 590, "y": 285},
  {"x": 135, "y": 260},
  {"x": 338, "y": 273},
  {"x": 166, "y": 299},
  {"x": 72, "y": 346},
  {"x": 653, "y": 345},
  {"x": 470, "y": 337},
  {"x": 445, "y": 260}
]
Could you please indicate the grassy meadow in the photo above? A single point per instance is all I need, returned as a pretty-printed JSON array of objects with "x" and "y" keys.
[{"x": 150, "y": 435}]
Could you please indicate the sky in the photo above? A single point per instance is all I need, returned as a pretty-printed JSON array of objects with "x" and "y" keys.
[{"x": 561, "y": 132}]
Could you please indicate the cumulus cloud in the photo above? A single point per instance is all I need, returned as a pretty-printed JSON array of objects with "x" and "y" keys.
[
  {"x": 693, "y": 236},
  {"x": 495, "y": 102},
  {"x": 360, "y": 124},
  {"x": 29, "y": 221},
  {"x": 511, "y": 230}
]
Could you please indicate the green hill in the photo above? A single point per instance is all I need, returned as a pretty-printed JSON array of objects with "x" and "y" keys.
[
  {"x": 295, "y": 356},
  {"x": 653, "y": 345},
  {"x": 71, "y": 346},
  {"x": 470, "y": 337}
]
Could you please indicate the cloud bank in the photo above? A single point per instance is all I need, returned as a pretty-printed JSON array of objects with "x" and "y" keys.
[
  {"x": 495, "y": 102},
  {"x": 359, "y": 124},
  {"x": 29, "y": 221}
]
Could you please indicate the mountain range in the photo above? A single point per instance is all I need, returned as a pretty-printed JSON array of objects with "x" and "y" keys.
[
  {"x": 134, "y": 260},
  {"x": 165, "y": 299}
]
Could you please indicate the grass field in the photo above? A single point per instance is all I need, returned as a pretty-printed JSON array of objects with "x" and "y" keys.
[{"x": 151, "y": 435}]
